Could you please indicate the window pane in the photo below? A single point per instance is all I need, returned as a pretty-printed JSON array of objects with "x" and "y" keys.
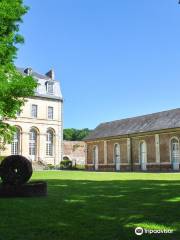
[
  {"x": 32, "y": 142},
  {"x": 49, "y": 143},
  {"x": 50, "y": 87},
  {"x": 175, "y": 154},
  {"x": 50, "y": 112},
  {"x": 34, "y": 111},
  {"x": 15, "y": 145}
]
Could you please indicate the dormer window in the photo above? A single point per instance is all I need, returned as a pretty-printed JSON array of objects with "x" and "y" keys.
[
  {"x": 28, "y": 71},
  {"x": 50, "y": 87}
]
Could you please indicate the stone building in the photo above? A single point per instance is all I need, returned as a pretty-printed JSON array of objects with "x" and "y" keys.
[
  {"x": 74, "y": 151},
  {"x": 39, "y": 125},
  {"x": 144, "y": 143}
]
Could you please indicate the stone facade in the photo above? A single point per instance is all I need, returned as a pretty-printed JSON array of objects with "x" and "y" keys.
[{"x": 39, "y": 125}]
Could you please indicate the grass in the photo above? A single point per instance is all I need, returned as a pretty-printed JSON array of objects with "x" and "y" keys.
[{"x": 95, "y": 206}]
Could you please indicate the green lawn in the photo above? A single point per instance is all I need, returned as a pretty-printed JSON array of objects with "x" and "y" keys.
[{"x": 95, "y": 206}]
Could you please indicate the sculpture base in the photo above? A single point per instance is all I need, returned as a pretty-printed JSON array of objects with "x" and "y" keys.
[{"x": 31, "y": 189}]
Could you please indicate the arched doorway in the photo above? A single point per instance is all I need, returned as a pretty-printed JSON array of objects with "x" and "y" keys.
[
  {"x": 117, "y": 158},
  {"x": 33, "y": 144},
  {"x": 95, "y": 157},
  {"x": 175, "y": 154},
  {"x": 143, "y": 155}
]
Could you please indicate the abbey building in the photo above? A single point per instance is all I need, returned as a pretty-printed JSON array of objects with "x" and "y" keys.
[{"x": 39, "y": 126}]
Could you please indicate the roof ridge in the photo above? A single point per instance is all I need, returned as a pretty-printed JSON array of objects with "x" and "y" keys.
[
  {"x": 167, "y": 119},
  {"x": 35, "y": 73},
  {"x": 140, "y": 116}
]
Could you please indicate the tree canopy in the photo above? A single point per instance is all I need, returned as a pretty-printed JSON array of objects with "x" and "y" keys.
[
  {"x": 72, "y": 134},
  {"x": 14, "y": 87}
]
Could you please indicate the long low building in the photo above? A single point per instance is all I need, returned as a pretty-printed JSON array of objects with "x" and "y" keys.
[{"x": 143, "y": 143}]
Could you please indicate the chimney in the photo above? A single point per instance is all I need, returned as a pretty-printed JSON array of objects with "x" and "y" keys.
[
  {"x": 51, "y": 74},
  {"x": 28, "y": 71}
]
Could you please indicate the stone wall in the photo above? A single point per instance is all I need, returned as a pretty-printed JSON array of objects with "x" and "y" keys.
[{"x": 75, "y": 151}]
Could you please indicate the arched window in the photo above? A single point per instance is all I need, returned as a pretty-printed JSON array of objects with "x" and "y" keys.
[
  {"x": 33, "y": 143},
  {"x": 175, "y": 150},
  {"x": 117, "y": 156},
  {"x": 143, "y": 155},
  {"x": 15, "y": 145},
  {"x": 49, "y": 143},
  {"x": 95, "y": 157}
]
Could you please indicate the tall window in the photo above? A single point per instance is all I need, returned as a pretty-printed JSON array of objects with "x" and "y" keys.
[
  {"x": 34, "y": 111},
  {"x": 116, "y": 152},
  {"x": 175, "y": 150},
  {"x": 49, "y": 143},
  {"x": 95, "y": 157},
  {"x": 50, "y": 87},
  {"x": 117, "y": 156},
  {"x": 33, "y": 143},
  {"x": 15, "y": 145},
  {"x": 143, "y": 155},
  {"x": 50, "y": 112}
]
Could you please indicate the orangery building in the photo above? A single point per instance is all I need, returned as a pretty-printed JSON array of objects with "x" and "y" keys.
[{"x": 143, "y": 143}]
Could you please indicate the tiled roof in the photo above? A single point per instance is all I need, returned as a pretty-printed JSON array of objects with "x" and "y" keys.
[{"x": 151, "y": 122}]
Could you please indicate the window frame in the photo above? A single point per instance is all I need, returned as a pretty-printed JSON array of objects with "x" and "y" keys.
[
  {"x": 50, "y": 88},
  {"x": 95, "y": 156},
  {"x": 145, "y": 151},
  {"x": 33, "y": 142},
  {"x": 116, "y": 146},
  {"x": 50, "y": 115},
  {"x": 170, "y": 148},
  {"x": 16, "y": 143},
  {"x": 50, "y": 143},
  {"x": 32, "y": 111}
]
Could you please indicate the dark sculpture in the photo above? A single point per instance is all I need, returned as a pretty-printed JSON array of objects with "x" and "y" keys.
[{"x": 15, "y": 172}]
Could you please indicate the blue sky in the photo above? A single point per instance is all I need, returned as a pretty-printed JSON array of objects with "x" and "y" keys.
[{"x": 113, "y": 58}]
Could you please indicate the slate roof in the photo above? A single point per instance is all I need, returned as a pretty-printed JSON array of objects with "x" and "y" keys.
[
  {"x": 41, "y": 90},
  {"x": 151, "y": 122},
  {"x": 35, "y": 74}
]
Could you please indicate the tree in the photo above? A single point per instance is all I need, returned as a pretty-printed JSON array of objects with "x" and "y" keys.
[
  {"x": 72, "y": 134},
  {"x": 68, "y": 134},
  {"x": 14, "y": 87}
]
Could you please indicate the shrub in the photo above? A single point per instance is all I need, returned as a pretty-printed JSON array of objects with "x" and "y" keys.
[
  {"x": 79, "y": 167},
  {"x": 49, "y": 166},
  {"x": 66, "y": 164},
  {"x": 2, "y": 158}
]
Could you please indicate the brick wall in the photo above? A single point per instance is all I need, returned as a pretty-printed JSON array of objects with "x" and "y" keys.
[{"x": 152, "y": 164}]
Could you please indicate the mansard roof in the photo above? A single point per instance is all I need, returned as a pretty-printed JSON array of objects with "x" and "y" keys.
[
  {"x": 34, "y": 74},
  {"x": 141, "y": 124},
  {"x": 42, "y": 80}
]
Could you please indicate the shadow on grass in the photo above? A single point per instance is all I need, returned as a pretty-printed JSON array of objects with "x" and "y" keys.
[{"x": 94, "y": 210}]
